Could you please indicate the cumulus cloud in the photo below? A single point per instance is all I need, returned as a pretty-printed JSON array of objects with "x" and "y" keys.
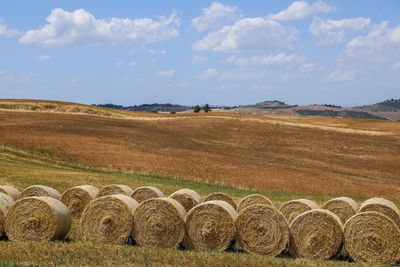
[
  {"x": 379, "y": 44},
  {"x": 281, "y": 58},
  {"x": 42, "y": 58},
  {"x": 329, "y": 31},
  {"x": 300, "y": 10},
  {"x": 306, "y": 68},
  {"x": 216, "y": 15},
  {"x": 166, "y": 73},
  {"x": 209, "y": 74},
  {"x": 80, "y": 27},
  {"x": 5, "y": 31},
  {"x": 198, "y": 59},
  {"x": 248, "y": 34},
  {"x": 342, "y": 75}
]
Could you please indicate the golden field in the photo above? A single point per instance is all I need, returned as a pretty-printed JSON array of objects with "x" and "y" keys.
[{"x": 281, "y": 157}]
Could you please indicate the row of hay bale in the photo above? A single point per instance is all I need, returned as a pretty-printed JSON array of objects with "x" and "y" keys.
[{"x": 117, "y": 214}]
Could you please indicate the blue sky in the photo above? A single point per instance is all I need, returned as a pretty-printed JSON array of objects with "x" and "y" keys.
[{"x": 196, "y": 52}]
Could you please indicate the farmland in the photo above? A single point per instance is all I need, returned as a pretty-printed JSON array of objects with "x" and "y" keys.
[{"x": 281, "y": 157}]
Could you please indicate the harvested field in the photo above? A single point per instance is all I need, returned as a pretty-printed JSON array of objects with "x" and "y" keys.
[{"x": 302, "y": 155}]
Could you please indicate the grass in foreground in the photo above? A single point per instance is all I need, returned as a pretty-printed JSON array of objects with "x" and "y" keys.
[{"x": 23, "y": 169}]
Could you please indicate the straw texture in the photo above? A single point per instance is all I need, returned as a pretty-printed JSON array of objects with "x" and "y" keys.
[
  {"x": 114, "y": 189},
  {"x": 253, "y": 200},
  {"x": 187, "y": 197},
  {"x": 38, "y": 219},
  {"x": 372, "y": 237},
  {"x": 143, "y": 193},
  {"x": 78, "y": 197},
  {"x": 159, "y": 222},
  {"x": 292, "y": 208},
  {"x": 383, "y": 206},
  {"x": 316, "y": 234},
  {"x": 10, "y": 190},
  {"x": 343, "y": 207},
  {"x": 40, "y": 191},
  {"x": 108, "y": 219},
  {"x": 262, "y": 229},
  {"x": 210, "y": 225},
  {"x": 223, "y": 197}
]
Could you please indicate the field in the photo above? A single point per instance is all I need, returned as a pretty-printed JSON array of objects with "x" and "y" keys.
[{"x": 281, "y": 157}]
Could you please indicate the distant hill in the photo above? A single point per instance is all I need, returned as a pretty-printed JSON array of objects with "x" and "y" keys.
[
  {"x": 391, "y": 105},
  {"x": 275, "y": 104},
  {"x": 149, "y": 107}
]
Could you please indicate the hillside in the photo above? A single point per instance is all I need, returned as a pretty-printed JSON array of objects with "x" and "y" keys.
[{"x": 281, "y": 154}]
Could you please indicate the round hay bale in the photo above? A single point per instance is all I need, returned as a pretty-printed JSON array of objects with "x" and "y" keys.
[
  {"x": 262, "y": 229},
  {"x": 372, "y": 237},
  {"x": 223, "y": 197},
  {"x": 383, "y": 206},
  {"x": 316, "y": 234},
  {"x": 114, "y": 189},
  {"x": 78, "y": 197},
  {"x": 187, "y": 197},
  {"x": 5, "y": 203},
  {"x": 292, "y": 208},
  {"x": 253, "y": 200},
  {"x": 210, "y": 225},
  {"x": 10, "y": 190},
  {"x": 38, "y": 219},
  {"x": 159, "y": 222},
  {"x": 143, "y": 193},
  {"x": 40, "y": 191},
  {"x": 343, "y": 207},
  {"x": 108, "y": 219}
]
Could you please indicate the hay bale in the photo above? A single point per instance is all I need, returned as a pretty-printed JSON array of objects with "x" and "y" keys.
[
  {"x": 108, "y": 219},
  {"x": 383, "y": 206},
  {"x": 262, "y": 229},
  {"x": 159, "y": 222},
  {"x": 143, "y": 193},
  {"x": 40, "y": 191},
  {"x": 114, "y": 189},
  {"x": 38, "y": 219},
  {"x": 253, "y": 200},
  {"x": 372, "y": 237},
  {"x": 292, "y": 208},
  {"x": 223, "y": 197},
  {"x": 10, "y": 190},
  {"x": 210, "y": 225},
  {"x": 187, "y": 197},
  {"x": 316, "y": 234},
  {"x": 78, "y": 197},
  {"x": 343, "y": 207},
  {"x": 5, "y": 203}
]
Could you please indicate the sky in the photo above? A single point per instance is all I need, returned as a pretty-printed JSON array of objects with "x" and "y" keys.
[{"x": 195, "y": 52}]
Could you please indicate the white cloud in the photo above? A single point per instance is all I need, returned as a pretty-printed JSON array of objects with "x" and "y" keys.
[
  {"x": 209, "y": 74},
  {"x": 342, "y": 75},
  {"x": 198, "y": 59},
  {"x": 122, "y": 64},
  {"x": 380, "y": 44},
  {"x": 300, "y": 10},
  {"x": 166, "y": 73},
  {"x": 328, "y": 32},
  {"x": 281, "y": 58},
  {"x": 306, "y": 68},
  {"x": 155, "y": 51},
  {"x": 3, "y": 72},
  {"x": 214, "y": 16},
  {"x": 248, "y": 34},
  {"x": 396, "y": 66},
  {"x": 5, "y": 31},
  {"x": 42, "y": 58},
  {"x": 79, "y": 27}
]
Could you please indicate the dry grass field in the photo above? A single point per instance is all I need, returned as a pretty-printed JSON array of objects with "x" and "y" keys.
[
  {"x": 281, "y": 157},
  {"x": 301, "y": 154}
]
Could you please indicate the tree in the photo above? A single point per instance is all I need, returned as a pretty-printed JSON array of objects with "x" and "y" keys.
[
  {"x": 196, "y": 109},
  {"x": 206, "y": 108}
]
